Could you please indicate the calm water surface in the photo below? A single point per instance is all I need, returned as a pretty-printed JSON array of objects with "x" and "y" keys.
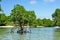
[{"x": 36, "y": 34}]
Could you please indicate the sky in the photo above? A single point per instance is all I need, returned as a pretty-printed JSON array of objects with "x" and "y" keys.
[{"x": 42, "y": 8}]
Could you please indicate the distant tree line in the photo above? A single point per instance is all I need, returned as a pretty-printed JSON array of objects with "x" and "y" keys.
[{"x": 20, "y": 16}]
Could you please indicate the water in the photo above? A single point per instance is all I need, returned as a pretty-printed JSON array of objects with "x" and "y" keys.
[{"x": 36, "y": 34}]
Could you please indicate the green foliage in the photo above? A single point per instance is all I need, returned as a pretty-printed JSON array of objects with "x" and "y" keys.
[
  {"x": 31, "y": 17},
  {"x": 9, "y": 21},
  {"x": 45, "y": 22},
  {"x": 48, "y": 22},
  {"x": 40, "y": 22},
  {"x": 3, "y": 19},
  {"x": 19, "y": 15},
  {"x": 56, "y": 17},
  {"x": 22, "y": 16}
]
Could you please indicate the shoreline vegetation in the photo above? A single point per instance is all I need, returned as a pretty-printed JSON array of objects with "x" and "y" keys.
[
  {"x": 19, "y": 15},
  {"x": 22, "y": 17}
]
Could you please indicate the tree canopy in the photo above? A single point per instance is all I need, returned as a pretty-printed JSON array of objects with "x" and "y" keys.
[
  {"x": 56, "y": 17},
  {"x": 21, "y": 15}
]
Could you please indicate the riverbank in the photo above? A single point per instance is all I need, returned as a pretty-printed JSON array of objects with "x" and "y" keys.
[
  {"x": 6, "y": 26},
  {"x": 13, "y": 26}
]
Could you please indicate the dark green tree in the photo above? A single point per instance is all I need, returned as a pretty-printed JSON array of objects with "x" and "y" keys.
[
  {"x": 17, "y": 14},
  {"x": 3, "y": 19},
  {"x": 40, "y": 22},
  {"x": 31, "y": 17},
  {"x": 56, "y": 17},
  {"x": 48, "y": 22},
  {"x": 22, "y": 16}
]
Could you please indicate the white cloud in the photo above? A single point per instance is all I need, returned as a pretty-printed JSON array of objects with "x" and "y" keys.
[
  {"x": 49, "y": 0},
  {"x": 33, "y": 2},
  {"x": 45, "y": 0},
  {"x": 52, "y": 0}
]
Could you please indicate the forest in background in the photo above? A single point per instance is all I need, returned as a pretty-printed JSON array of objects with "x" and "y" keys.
[{"x": 20, "y": 16}]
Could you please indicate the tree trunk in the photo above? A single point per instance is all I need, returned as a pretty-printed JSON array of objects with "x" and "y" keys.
[{"x": 21, "y": 29}]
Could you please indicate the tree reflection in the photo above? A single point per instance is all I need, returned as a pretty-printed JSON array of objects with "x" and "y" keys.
[
  {"x": 22, "y": 37},
  {"x": 25, "y": 37},
  {"x": 57, "y": 34}
]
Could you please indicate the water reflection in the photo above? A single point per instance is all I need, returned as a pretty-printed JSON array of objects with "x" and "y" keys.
[
  {"x": 57, "y": 34},
  {"x": 15, "y": 36},
  {"x": 22, "y": 37},
  {"x": 36, "y": 34},
  {"x": 2, "y": 33}
]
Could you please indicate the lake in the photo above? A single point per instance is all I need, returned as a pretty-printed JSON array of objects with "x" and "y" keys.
[{"x": 36, "y": 34}]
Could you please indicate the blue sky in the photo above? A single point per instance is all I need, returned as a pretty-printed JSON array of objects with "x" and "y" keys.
[{"x": 42, "y": 8}]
